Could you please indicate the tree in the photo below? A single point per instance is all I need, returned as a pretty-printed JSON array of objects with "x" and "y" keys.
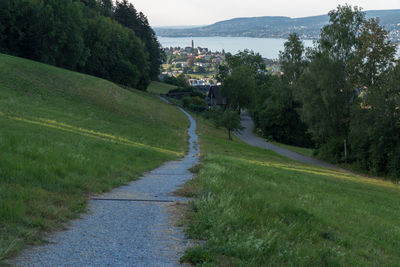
[
  {"x": 375, "y": 127},
  {"x": 126, "y": 14},
  {"x": 327, "y": 90},
  {"x": 275, "y": 114},
  {"x": 292, "y": 59},
  {"x": 36, "y": 30},
  {"x": 182, "y": 81},
  {"x": 106, "y": 7},
  {"x": 252, "y": 60},
  {"x": 375, "y": 54},
  {"x": 349, "y": 64},
  {"x": 275, "y": 108},
  {"x": 231, "y": 121},
  {"x": 239, "y": 87},
  {"x": 190, "y": 62}
]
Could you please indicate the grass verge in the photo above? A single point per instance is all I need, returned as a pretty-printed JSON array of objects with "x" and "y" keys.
[
  {"x": 64, "y": 136},
  {"x": 300, "y": 150},
  {"x": 256, "y": 208},
  {"x": 160, "y": 88}
]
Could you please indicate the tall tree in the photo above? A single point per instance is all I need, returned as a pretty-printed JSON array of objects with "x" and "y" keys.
[
  {"x": 239, "y": 77},
  {"x": 375, "y": 127},
  {"x": 327, "y": 87},
  {"x": 292, "y": 59},
  {"x": 239, "y": 86},
  {"x": 126, "y": 14},
  {"x": 375, "y": 54},
  {"x": 350, "y": 62}
]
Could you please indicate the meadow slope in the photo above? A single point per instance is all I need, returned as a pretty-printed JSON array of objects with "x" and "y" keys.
[
  {"x": 253, "y": 207},
  {"x": 65, "y": 136}
]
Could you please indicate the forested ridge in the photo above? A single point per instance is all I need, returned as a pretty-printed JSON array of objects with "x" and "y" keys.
[{"x": 96, "y": 37}]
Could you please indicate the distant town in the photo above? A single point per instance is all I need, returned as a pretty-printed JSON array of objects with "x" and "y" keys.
[{"x": 200, "y": 65}]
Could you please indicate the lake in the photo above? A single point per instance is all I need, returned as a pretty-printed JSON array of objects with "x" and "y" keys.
[{"x": 267, "y": 47}]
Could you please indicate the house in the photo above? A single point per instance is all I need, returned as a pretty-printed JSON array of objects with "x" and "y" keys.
[
  {"x": 164, "y": 75},
  {"x": 215, "y": 97}
]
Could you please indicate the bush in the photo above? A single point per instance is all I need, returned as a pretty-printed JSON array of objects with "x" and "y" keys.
[
  {"x": 193, "y": 91},
  {"x": 195, "y": 104},
  {"x": 332, "y": 150},
  {"x": 214, "y": 114}
]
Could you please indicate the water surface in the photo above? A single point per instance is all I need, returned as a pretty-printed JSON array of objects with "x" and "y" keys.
[{"x": 267, "y": 47}]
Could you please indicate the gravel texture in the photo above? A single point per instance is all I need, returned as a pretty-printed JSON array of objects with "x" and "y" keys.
[
  {"x": 130, "y": 226},
  {"x": 250, "y": 138}
]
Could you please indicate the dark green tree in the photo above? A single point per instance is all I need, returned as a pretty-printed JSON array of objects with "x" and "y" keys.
[
  {"x": 327, "y": 89},
  {"x": 126, "y": 14},
  {"x": 374, "y": 56},
  {"x": 239, "y": 87},
  {"x": 292, "y": 59},
  {"x": 375, "y": 127},
  {"x": 231, "y": 121}
]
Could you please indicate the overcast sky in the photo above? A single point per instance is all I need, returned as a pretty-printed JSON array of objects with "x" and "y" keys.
[{"x": 204, "y": 12}]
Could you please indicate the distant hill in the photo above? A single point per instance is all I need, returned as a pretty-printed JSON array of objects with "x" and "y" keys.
[{"x": 278, "y": 27}]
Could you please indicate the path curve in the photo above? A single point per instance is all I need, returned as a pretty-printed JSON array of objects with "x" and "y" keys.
[
  {"x": 250, "y": 138},
  {"x": 130, "y": 226}
]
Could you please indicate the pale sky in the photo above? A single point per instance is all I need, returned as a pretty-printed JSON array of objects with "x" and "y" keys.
[{"x": 204, "y": 12}]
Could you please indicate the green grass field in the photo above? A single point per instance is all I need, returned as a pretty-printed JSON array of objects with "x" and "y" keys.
[
  {"x": 160, "y": 88},
  {"x": 256, "y": 208},
  {"x": 65, "y": 136},
  {"x": 301, "y": 150}
]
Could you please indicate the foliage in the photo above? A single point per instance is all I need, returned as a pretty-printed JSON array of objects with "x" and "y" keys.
[
  {"x": 126, "y": 14},
  {"x": 82, "y": 36},
  {"x": 230, "y": 120},
  {"x": 253, "y": 61},
  {"x": 179, "y": 81},
  {"x": 341, "y": 95},
  {"x": 344, "y": 83},
  {"x": 292, "y": 59},
  {"x": 375, "y": 128},
  {"x": 214, "y": 114},
  {"x": 275, "y": 108},
  {"x": 192, "y": 90},
  {"x": 276, "y": 116},
  {"x": 239, "y": 86},
  {"x": 124, "y": 61},
  {"x": 196, "y": 103}
]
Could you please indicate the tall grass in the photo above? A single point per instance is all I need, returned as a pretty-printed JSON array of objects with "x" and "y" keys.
[
  {"x": 64, "y": 136},
  {"x": 256, "y": 208}
]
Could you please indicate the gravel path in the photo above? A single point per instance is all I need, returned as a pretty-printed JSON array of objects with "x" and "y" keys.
[
  {"x": 130, "y": 226},
  {"x": 250, "y": 138}
]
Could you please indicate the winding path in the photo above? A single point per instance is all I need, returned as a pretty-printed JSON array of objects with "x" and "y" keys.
[
  {"x": 130, "y": 226},
  {"x": 250, "y": 138}
]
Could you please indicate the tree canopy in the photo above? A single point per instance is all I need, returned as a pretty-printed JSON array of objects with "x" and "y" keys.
[{"x": 87, "y": 35}]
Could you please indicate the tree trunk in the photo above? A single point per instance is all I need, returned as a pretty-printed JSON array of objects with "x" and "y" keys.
[{"x": 229, "y": 133}]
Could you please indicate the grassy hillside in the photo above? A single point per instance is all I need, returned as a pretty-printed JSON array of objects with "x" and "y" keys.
[
  {"x": 256, "y": 208},
  {"x": 301, "y": 150},
  {"x": 160, "y": 88},
  {"x": 64, "y": 136}
]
